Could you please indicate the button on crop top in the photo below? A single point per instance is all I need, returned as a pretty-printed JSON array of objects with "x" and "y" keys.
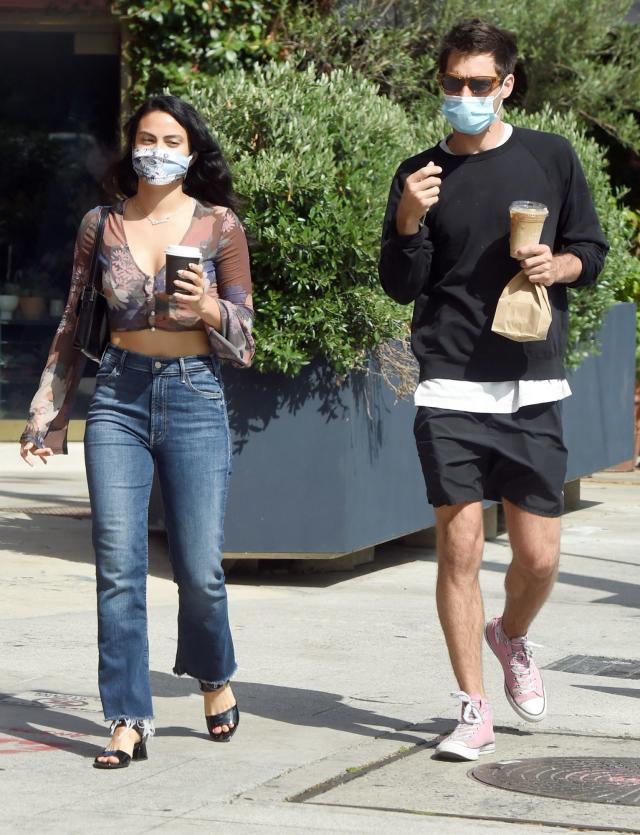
[{"x": 138, "y": 301}]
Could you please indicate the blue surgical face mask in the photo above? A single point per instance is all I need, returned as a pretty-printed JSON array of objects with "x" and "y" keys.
[
  {"x": 160, "y": 166},
  {"x": 470, "y": 114}
]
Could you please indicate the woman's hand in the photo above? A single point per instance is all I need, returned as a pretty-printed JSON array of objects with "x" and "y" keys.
[
  {"x": 28, "y": 448},
  {"x": 194, "y": 298},
  {"x": 191, "y": 282}
]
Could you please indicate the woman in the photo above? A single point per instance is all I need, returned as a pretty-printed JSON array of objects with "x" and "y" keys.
[{"x": 158, "y": 400}]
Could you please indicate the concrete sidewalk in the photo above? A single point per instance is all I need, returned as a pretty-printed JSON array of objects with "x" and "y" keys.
[{"x": 343, "y": 685}]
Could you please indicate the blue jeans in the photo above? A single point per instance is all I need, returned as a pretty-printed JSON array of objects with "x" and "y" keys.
[{"x": 170, "y": 412}]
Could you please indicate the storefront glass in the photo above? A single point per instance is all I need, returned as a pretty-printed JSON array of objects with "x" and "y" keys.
[{"x": 59, "y": 110}]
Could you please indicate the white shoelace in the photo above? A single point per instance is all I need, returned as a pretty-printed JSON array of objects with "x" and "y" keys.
[
  {"x": 521, "y": 654},
  {"x": 471, "y": 715}
]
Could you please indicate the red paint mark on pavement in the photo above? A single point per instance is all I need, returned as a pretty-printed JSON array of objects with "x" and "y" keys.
[
  {"x": 41, "y": 742},
  {"x": 62, "y": 701}
]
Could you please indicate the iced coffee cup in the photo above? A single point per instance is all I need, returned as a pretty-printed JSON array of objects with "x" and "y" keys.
[
  {"x": 178, "y": 258},
  {"x": 527, "y": 220}
]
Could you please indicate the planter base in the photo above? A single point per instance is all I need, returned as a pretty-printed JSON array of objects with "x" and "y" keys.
[
  {"x": 305, "y": 563},
  {"x": 624, "y": 467},
  {"x": 306, "y": 556},
  {"x": 572, "y": 495}
]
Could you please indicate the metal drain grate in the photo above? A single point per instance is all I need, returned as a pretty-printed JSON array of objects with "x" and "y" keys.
[
  {"x": 76, "y": 511},
  {"x": 587, "y": 779},
  {"x": 596, "y": 665}
]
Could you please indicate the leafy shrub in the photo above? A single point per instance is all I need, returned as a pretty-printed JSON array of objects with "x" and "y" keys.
[
  {"x": 169, "y": 42},
  {"x": 313, "y": 156},
  {"x": 576, "y": 55},
  {"x": 386, "y": 42},
  {"x": 630, "y": 290}
]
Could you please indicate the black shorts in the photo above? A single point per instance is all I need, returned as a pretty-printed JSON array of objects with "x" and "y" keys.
[{"x": 470, "y": 456}]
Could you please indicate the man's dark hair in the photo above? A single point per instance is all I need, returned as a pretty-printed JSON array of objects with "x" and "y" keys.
[{"x": 475, "y": 36}]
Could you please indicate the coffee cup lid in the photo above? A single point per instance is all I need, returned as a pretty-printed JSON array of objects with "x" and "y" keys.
[
  {"x": 184, "y": 251},
  {"x": 528, "y": 206}
]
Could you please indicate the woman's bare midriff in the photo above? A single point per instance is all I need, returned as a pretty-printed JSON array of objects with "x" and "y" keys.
[{"x": 159, "y": 343}]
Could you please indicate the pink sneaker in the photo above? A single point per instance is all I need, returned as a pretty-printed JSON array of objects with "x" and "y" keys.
[
  {"x": 473, "y": 735},
  {"x": 522, "y": 680}
]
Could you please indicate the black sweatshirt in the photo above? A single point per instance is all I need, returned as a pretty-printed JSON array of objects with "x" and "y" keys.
[{"x": 456, "y": 266}]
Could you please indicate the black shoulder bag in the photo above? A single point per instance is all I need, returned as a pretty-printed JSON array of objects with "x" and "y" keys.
[{"x": 92, "y": 325}]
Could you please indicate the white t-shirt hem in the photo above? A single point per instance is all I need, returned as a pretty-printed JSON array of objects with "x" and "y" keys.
[{"x": 496, "y": 398}]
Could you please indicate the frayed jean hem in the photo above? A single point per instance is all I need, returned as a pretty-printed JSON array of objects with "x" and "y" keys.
[
  {"x": 210, "y": 685},
  {"x": 145, "y": 726}
]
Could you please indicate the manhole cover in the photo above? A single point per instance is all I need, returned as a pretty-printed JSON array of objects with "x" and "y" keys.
[{"x": 591, "y": 779}]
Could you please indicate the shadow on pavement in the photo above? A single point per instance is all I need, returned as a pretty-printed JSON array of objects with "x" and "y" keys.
[
  {"x": 68, "y": 538},
  {"x": 28, "y": 726},
  {"x": 41, "y": 500},
  {"x": 32, "y": 536},
  {"x": 600, "y": 559},
  {"x": 34, "y": 727},
  {"x": 308, "y": 708},
  {"x": 622, "y": 593},
  {"x": 631, "y": 692}
]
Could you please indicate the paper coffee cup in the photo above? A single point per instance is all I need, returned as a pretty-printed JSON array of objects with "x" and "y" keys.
[
  {"x": 178, "y": 258},
  {"x": 527, "y": 220}
]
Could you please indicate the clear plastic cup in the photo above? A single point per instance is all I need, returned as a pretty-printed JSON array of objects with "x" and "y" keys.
[{"x": 527, "y": 220}]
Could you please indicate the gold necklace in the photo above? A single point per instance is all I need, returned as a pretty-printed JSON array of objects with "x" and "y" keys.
[{"x": 158, "y": 221}]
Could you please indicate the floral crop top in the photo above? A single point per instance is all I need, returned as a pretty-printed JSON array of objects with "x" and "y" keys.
[{"x": 137, "y": 301}]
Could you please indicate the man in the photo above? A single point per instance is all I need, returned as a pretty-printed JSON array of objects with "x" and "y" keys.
[{"x": 488, "y": 424}]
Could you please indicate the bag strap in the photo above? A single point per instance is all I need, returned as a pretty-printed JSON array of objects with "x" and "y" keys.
[{"x": 95, "y": 255}]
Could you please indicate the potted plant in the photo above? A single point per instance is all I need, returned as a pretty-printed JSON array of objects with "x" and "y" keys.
[
  {"x": 33, "y": 291},
  {"x": 8, "y": 300}
]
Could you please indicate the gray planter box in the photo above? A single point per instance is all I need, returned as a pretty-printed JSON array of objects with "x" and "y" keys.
[
  {"x": 599, "y": 418},
  {"x": 322, "y": 470}
]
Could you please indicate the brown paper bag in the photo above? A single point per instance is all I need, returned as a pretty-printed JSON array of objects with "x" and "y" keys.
[{"x": 523, "y": 313}]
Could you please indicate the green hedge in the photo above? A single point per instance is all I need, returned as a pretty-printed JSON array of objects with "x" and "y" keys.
[
  {"x": 170, "y": 42},
  {"x": 578, "y": 55},
  {"x": 313, "y": 156}
]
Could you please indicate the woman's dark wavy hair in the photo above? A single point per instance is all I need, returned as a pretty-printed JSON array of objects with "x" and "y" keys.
[{"x": 209, "y": 177}]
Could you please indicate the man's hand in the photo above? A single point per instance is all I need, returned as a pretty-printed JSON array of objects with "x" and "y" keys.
[
  {"x": 421, "y": 190},
  {"x": 541, "y": 266}
]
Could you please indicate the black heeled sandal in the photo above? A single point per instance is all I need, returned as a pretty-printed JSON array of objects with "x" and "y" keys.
[
  {"x": 124, "y": 759},
  {"x": 228, "y": 717}
]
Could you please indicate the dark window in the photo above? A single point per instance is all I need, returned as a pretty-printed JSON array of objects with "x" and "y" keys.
[{"x": 58, "y": 130}]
